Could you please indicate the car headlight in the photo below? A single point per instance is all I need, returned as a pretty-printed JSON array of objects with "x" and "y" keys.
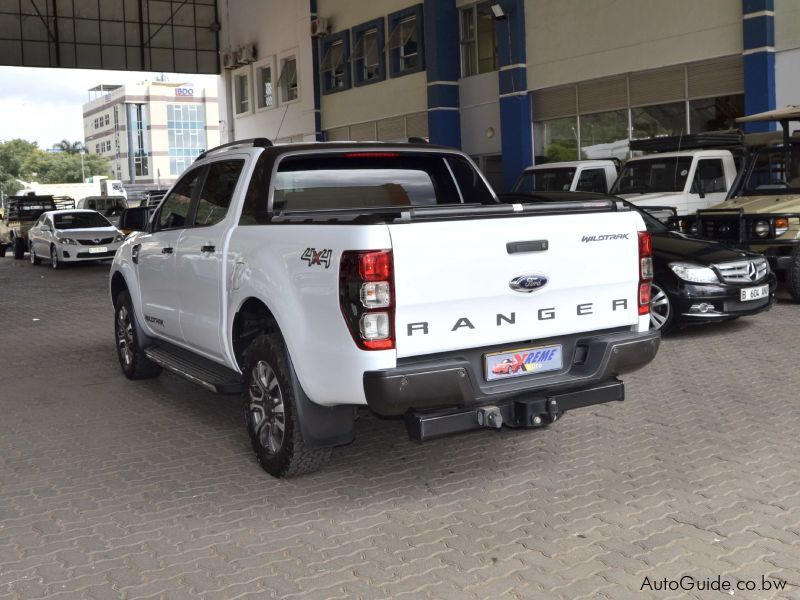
[
  {"x": 694, "y": 273},
  {"x": 762, "y": 229},
  {"x": 781, "y": 225},
  {"x": 119, "y": 238},
  {"x": 66, "y": 241}
]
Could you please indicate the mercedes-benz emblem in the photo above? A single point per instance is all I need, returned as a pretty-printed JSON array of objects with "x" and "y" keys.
[{"x": 752, "y": 272}]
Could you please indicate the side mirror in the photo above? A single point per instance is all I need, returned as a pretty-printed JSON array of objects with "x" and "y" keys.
[{"x": 134, "y": 219}]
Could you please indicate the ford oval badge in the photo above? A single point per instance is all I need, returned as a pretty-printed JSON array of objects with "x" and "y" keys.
[{"x": 528, "y": 283}]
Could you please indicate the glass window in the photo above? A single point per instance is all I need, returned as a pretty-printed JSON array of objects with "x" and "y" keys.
[
  {"x": 186, "y": 135},
  {"x": 769, "y": 172},
  {"x": 241, "y": 90},
  {"x": 709, "y": 177},
  {"x": 287, "y": 82},
  {"x": 215, "y": 197},
  {"x": 592, "y": 180},
  {"x": 478, "y": 40},
  {"x": 333, "y": 66},
  {"x": 604, "y": 134},
  {"x": 408, "y": 46},
  {"x": 653, "y": 175},
  {"x": 715, "y": 114},
  {"x": 371, "y": 64},
  {"x": 546, "y": 180},
  {"x": 658, "y": 120},
  {"x": 174, "y": 209},
  {"x": 556, "y": 140},
  {"x": 469, "y": 46},
  {"x": 340, "y": 182},
  {"x": 266, "y": 96},
  {"x": 79, "y": 220}
]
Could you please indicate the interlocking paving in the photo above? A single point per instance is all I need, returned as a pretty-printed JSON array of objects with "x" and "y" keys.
[{"x": 119, "y": 489}]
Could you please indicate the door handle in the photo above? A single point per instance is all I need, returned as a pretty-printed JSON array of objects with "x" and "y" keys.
[
  {"x": 166, "y": 250},
  {"x": 207, "y": 249}
]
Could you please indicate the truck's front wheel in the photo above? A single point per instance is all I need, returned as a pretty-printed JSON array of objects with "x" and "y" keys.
[
  {"x": 132, "y": 359},
  {"x": 19, "y": 248},
  {"x": 270, "y": 405},
  {"x": 793, "y": 277}
]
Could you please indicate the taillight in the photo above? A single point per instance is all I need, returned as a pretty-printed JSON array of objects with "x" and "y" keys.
[
  {"x": 645, "y": 271},
  {"x": 366, "y": 296}
]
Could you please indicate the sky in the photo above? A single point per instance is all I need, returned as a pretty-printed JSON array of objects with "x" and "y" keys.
[{"x": 45, "y": 105}]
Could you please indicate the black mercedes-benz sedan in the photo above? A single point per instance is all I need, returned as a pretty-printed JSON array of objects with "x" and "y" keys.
[{"x": 694, "y": 281}]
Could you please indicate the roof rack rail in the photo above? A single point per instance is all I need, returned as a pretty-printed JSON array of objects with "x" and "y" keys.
[
  {"x": 732, "y": 138},
  {"x": 417, "y": 140},
  {"x": 254, "y": 142}
]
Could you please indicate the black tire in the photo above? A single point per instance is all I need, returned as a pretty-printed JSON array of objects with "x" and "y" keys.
[
  {"x": 793, "y": 276},
  {"x": 132, "y": 360},
  {"x": 2, "y": 250},
  {"x": 662, "y": 313},
  {"x": 54, "y": 261},
  {"x": 19, "y": 248},
  {"x": 270, "y": 401},
  {"x": 35, "y": 260}
]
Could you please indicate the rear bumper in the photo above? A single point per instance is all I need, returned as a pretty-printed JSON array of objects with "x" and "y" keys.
[{"x": 456, "y": 380}]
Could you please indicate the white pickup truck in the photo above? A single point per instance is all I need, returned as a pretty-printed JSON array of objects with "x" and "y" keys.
[
  {"x": 573, "y": 176},
  {"x": 688, "y": 180},
  {"x": 315, "y": 278}
]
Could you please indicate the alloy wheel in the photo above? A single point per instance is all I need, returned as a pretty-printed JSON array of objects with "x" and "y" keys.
[
  {"x": 124, "y": 327},
  {"x": 660, "y": 307},
  {"x": 267, "y": 419}
]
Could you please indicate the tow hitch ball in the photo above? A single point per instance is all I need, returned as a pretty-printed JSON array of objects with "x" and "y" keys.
[
  {"x": 521, "y": 414},
  {"x": 490, "y": 416}
]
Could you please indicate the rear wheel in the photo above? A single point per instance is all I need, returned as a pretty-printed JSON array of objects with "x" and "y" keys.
[
  {"x": 35, "y": 260},
  {"x": 661, "y": 313},
  {"x": 793, "y": 276},
  {"x": 2, "y": 250},
  {"x": 19, "y": 248},
  {"x": 270, "y": 402},
  {"x": 132, "y": 359}
]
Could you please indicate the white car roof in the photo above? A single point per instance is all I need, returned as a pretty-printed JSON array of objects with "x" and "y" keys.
[
  {"x": 700, "y": 153},
  {"x": 70, "y": 210},
  {"x": 570, "y": 164}
]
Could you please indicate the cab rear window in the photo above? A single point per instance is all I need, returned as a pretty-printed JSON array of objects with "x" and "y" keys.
[{"x": 376, "y": 180}]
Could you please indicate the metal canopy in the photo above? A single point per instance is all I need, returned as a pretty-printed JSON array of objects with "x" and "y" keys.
[{"x": 130, "y": 35}]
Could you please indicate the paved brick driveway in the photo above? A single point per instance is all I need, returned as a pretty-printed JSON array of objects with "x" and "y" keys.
[{"x": 114, "y": 489}]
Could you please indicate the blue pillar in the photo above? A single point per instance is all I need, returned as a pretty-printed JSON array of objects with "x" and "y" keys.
[
  {"x": 759, "y": 60},
  {"x": 320, "y": 136},
  {"x": 443, "y": 61},
  {"x": 515, "y": 102}
]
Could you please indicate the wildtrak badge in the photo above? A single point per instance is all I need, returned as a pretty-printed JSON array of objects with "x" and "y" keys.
[{"x": 605, "y": 237}]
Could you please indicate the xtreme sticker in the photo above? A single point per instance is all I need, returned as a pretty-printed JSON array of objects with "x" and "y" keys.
[{"x": 317, "y": 257}]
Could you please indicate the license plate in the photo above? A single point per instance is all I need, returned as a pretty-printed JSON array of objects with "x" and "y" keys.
[
  {"x": 98, "y": 250},
  {"x": 754, "y": 293},
  {"x": 525, "y": 361}
]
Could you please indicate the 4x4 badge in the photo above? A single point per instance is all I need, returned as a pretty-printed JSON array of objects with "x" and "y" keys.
[{"x": 528, "y": 283}]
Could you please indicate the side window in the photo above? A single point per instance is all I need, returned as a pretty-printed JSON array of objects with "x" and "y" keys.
[
  {"x": 592, "y": 180},
  {"x": 217, "y": 192},
  {"x": 174, "y": 210},
  {"x": 709, "y": 177}
]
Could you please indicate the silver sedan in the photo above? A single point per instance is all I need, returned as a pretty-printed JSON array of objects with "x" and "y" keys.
[{"x": 64, "y": 236}]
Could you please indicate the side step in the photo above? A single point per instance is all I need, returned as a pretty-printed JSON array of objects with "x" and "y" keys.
[{"x": 196, "y": 369}]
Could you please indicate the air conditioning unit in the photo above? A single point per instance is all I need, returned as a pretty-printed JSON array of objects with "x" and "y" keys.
[
  {"x": 228, "y": 60},
  {"x": 319, "y": 27},
  {"x": 246, "y": 54}
]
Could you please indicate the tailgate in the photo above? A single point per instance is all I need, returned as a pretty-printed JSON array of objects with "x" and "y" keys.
[{"x": 453, "y": 279}]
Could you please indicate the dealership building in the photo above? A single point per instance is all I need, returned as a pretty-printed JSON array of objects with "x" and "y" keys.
[
  {"x": 151, "y": 131},
  {"x": 511, "y": 82}
]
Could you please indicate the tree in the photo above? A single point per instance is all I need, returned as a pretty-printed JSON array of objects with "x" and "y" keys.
[
  {"x": 66, "y": 168},
  {"x": 14, "y": 155},
  {"x": 69, "y": 147}
]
